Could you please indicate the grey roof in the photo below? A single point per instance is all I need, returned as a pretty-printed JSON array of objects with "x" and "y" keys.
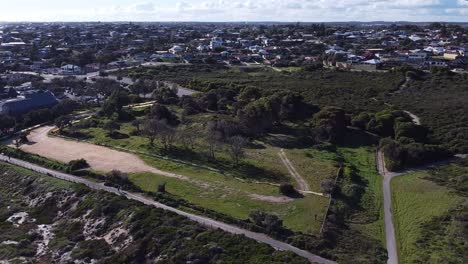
[{"x": 29, "y": 100}]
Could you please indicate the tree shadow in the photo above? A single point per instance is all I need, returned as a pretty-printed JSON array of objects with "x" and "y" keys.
[
  {"x": 355, "y": 138},
  {"x": 295, "y": 195},
  {"x": 118, "y": 135}
]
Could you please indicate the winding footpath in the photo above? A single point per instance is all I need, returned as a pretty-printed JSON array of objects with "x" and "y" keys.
[{"x": 205, "y": 221}]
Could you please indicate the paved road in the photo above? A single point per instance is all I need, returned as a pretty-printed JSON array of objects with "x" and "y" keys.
[
  {"x": 262, "y": 238},
  {"x": 388, "y": 215},
  {"x": 303, "y": 185},
  {"x": 125, "y": 80}
]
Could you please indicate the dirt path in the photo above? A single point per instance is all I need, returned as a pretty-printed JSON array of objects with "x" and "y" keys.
[
  {"x": 416, "y": 120},
  {"x": 303, "y": 185},
  {"x": 105, "y": 159}
]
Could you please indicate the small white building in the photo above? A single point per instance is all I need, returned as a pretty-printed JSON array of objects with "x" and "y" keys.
[
  {"x": 70, "y": 69},
  {"x": 216, "y": 42},
  {"x": 176, "y": 49}
]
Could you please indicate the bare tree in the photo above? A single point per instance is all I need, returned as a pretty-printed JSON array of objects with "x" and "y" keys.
[
  {"x": 236, "y": 148},
  {"x": 166, "y": 135},
  {"x": 17, "y": 142},
  {"x": 137, "y": 124},
  {"x": 188, "y": 136},
  {"x": 213, "y": 137},
  {"x": 150, "y": 130}
]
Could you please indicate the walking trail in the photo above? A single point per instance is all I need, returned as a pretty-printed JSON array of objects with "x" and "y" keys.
[{"x": 303, "y": 185}]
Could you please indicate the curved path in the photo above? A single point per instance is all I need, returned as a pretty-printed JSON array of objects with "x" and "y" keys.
[
  {"x": 211, "y": 223},
  {"x": 416, "y": 120}
]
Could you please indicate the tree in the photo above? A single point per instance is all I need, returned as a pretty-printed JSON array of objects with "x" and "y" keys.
[
  {"x": 166, "y": 134},
  {"x": 188, "y": 136},
  {"x": 257, "y": 117},
  {"x": 190, "y": 105},
  {"x": 287, "y": 189},
  {"x": 117, "y": 177},
  {"x": 161, "y": 112},
  {"x": 213, "y": 137},
  {"x": 162, "y": 187},
  {"x": 62, "y": 122},
  {"x": 137, "y": 124},
  {"x": 111, "y": 127},
  {"x": 115, "y": 102},
  {"x": 150, "y": 130},
  {"x": 166, "y": 95},
  {"x": 78, "y": 164},
  {"x": 6, "y": 123},
  {"x": 236, "y": 148},
  {"x": 327, "y": 186},
  {"x": 329, "y": 125},
  {"x": 272, "y": 223}
]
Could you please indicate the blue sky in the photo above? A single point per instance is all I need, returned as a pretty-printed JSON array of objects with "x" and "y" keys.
[{"x": 234, "y": 10}]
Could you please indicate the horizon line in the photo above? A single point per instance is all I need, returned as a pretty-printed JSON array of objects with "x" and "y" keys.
[{"x": 233, "y": 21}]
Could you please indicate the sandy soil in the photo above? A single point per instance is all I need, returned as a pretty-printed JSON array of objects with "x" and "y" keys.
[{"x": 99, "y": 158}]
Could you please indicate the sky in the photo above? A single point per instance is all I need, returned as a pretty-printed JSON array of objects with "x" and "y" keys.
[{"x": 235, "y": 10}]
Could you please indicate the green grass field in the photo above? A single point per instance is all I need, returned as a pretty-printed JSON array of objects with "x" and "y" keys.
[
  {"x": 239, "y": 190},
  {"x": 370, "y": 218},
  {"x": 416, "y": 201},
  {"x": 303, "y": 215},
  {"x": 313, "y": 166}
]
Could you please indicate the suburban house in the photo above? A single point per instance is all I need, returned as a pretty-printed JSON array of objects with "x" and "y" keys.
[
  {"x": 451, "y": 55},
  {"x": 70, "y": 69}
]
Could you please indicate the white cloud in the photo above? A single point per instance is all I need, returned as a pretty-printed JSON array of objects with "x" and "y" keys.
[{"x": 260, "y": 10}]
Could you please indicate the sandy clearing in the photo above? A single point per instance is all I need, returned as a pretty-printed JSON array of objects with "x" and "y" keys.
[
  {"x": 271, "y": 199},
  {"x": 105, "y": 159},
  {"x": 99, "y": 158}
]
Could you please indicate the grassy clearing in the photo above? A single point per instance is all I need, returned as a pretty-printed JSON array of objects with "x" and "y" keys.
[
  {"x": 299, "y": 215},
  {"x": 417, "y": 201},
  {"x": 227, "y": 193},
  {"x": 370, "y": 220},
  {"x": 313, "y": 166}
]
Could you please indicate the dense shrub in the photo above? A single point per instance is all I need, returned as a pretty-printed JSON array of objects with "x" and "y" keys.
[{"x": 78, "y": 164}]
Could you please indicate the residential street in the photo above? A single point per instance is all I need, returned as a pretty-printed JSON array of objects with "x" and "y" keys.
[{"x": 199, "y": 219}]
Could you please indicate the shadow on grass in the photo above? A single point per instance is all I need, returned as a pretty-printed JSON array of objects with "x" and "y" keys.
[
  {"x": 244, "y": 170},
  {"x": 118, "y": 135},
  {"x": 356, "y": 138},
  {"x": 295, "y": 195}
]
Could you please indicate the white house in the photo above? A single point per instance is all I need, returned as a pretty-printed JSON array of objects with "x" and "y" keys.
[
  {"x": 70, "y": 69},
  {"x": 216, "y": 42},
  {"x": 176, "y": 49}
]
